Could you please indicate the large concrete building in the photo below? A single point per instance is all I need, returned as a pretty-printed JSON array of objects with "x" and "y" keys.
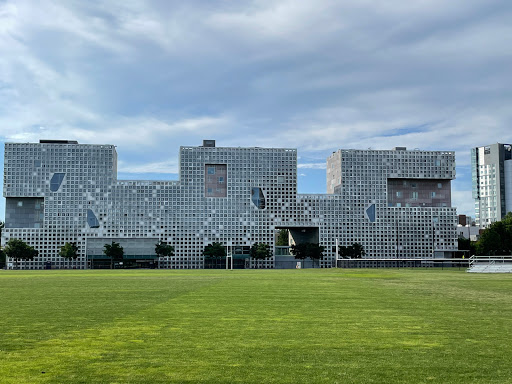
[
  {"x": 491, "y": 168},
  {"x": 396, "y": 203}
]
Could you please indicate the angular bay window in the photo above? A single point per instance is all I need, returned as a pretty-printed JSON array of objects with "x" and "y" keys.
[
  {"x": 92, "y": 220},
  {"x": 371, "y": 214},
  {"x": 56, "y": 181},
  {"x": 257, "y": 197}
]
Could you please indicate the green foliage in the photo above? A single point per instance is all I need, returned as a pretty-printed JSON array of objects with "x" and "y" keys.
[
  {"x": 214, "y": 250},
  {"x": 69, "y": 251},
  {"x": 282, "y": 238},
  {"x": 164, "y": 249},
  {"x": 358, "y": 251},
  {"x": 354, "y": 251},
  {"x": 19, "y": 250},
  {"x": 466, "y": 245},
  {"x": 115, "y": 251},
  {"x": 303, "y": 250},
  {"x": 2, "y": 258},
  {"x": 261, "y": 251},
  {"x": 299, "y": 251},
  {"x": 315, "y": 251},
  {"x": 497, "y": 239}
]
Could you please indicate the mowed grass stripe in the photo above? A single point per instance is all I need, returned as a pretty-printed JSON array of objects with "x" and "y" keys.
[
  {"x": 275, "y": 326},
  {"x": 45, "y": 304}
]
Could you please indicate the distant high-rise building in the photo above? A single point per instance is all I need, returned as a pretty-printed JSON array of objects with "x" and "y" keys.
[{"x": 491, "y": 168}]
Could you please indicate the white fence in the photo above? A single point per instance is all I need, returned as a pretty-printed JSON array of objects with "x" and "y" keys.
[{"x": 490, "y": 264}]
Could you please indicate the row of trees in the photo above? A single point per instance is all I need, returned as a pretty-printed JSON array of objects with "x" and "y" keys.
[
  {"x": 496, "y": 240},
  {"x": 258, "y": 251},
  {"x": 262, "y": 251},
  {"x": 304, "y": 250},
  {"x": 115, "y": 251},
  {"x": 17, "y": 249}
]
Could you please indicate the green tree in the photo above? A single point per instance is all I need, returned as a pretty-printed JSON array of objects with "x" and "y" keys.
[
  {"x": 354, "y": 251},
  {"x": 2, "y": 253},
  {"x": 69, "y": 251},
  {"x": 466, "y": 245},
  {"x": 299, "y": 251},
  {"x": 164, "y": 249},
  {"x": 345, "y": 252},
  {"x": 358, "y": 251},
  {"x": 305, "y": 250},
  {"x": 260, "y": 251},
  {"x": 497, "y": 239},
  {"x": 114, "y": 251},
  {"x": 314, "y": 251},
  {"x": 2, "y": 259},
  {"x": 214, "y": 250},
  {"x": 19, "y": 250},
  {"x": 282, "y": 238}
]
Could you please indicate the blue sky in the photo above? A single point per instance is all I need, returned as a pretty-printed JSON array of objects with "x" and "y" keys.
[{"x": 149, "y": 76}]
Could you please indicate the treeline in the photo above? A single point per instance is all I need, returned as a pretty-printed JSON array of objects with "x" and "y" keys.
[{"x": 496, "y": 240}]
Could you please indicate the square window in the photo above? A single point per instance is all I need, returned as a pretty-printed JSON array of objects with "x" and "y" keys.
[{"x": 211, "y": 170}]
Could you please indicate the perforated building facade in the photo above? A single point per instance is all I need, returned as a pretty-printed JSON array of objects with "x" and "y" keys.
[
  {"x": 397, "y": 203},
  {"x": 58, "y": 192}
]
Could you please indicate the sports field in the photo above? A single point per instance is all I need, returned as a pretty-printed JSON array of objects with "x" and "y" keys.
[{"x": 255, "y": 326}]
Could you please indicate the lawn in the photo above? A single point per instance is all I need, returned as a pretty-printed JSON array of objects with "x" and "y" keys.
[{"x": 255, "y": 326}]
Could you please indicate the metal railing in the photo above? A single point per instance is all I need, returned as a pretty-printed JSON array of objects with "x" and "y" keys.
[
  {"x": 488, "y": 262},
  {"x": 403, "y": 263}
]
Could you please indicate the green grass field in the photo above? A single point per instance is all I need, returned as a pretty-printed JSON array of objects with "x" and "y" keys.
[{"x": 255, "y": 326}]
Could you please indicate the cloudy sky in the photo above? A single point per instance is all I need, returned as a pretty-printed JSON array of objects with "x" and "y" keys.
[{"x": 149, "y": 76}]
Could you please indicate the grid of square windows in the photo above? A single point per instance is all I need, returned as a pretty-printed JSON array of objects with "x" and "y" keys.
[{"x": 181, "y": 213}]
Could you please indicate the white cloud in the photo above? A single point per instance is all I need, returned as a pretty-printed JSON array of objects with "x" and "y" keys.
[
  {"x": 312, "y": 166},
  {"x": 316, "y": 75}
]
